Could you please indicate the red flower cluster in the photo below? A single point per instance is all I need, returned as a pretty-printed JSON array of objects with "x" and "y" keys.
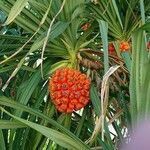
[{"x": 69, "y": 89}]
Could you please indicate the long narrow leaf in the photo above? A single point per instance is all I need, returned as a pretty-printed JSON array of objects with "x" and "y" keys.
[
  {"x": 104, "y": 31},
  {"x": 2, "y": 142},
  {"x": 58, "y": 137},
  {"x": 15, "y": 10},
  {"x": 13, "y": 104},
  {"x": 6, "y": 124}
]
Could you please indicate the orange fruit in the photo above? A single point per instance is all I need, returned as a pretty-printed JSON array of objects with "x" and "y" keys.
[
  {"x": 111, "y": 48},
  {"x": 69, "y": 90},
  {"x": 124, "y": 46}
]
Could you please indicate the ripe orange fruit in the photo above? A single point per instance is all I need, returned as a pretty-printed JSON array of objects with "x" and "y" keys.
[
  {"x": 111, "y": 48},
  {"x": 69, "y": 89},
  {"x": 124, "y": 46}
]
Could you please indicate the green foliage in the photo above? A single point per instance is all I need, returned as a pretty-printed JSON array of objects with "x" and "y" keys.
[
  {"x": 139, "y": 84},
  {"x": 39, "y": 36}
]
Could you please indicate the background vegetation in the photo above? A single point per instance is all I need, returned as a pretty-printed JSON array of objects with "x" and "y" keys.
[{"x": 39, "y": 36}]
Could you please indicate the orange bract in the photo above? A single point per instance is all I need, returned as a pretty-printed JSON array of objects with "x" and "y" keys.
[
  {"x": 124, "y": 46},
  {"x": 69, "y": 89}
]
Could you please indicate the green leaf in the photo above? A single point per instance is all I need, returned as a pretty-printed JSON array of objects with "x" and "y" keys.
[
  {"x": 26, "y": 88},
  {"x": 95, "y": 99},
  {"x": 117, "y": 12},
  {"x": 57, "y": 29},
  {"x": 2, "y": 142},
  {"x": 15, "y": 10},
  {"x": 139, "y": 73},
  {"x": 13, "y": 104},
  {"x": 58, "y": 137},
  {"x": 104, "y": 35},
  {"x": 77, "y": 12},
  {"x": 88, "y": 42},
  {"x": 6, "y": 124},
  {"x": 142, "y": 11},
  {"x": 62, "y": 63},
  {"x": 127, "y": 59}
]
